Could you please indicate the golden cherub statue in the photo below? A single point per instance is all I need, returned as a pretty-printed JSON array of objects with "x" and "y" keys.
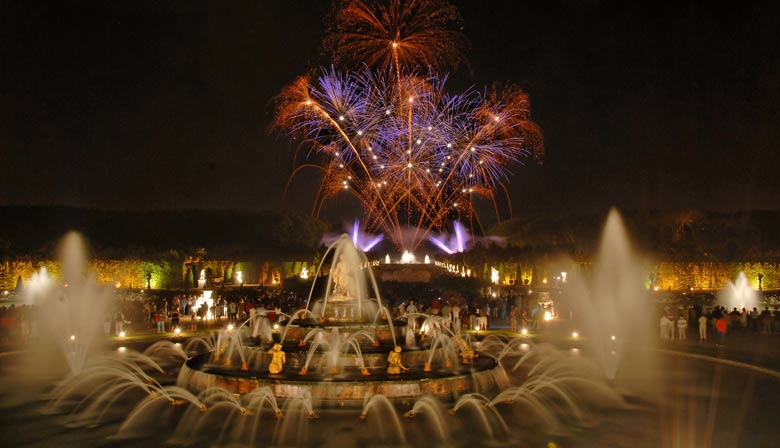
[
  {"x": 396, "y": 367},
  {"x": 278, "y": 359}
]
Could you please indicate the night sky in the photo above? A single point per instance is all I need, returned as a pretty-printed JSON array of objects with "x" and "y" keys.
[{"x": 166, "y": 104}]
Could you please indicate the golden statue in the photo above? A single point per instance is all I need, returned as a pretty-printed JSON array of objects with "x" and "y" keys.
[
  {"x": 466, "y": 352},
  {"x": 278, "y": 359},
  {"x": 396, "y": 367}
]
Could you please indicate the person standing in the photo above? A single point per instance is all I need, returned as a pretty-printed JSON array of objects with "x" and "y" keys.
[
  {"x": 160, "y": 322},
  {"x": 682, "y": 328},
  {"x": 473, "y": 312},
  {"x": 702, "y": 328},
  {"x": 456, "y": 316},
  {"x": 147, "y": 312},
  {"x": 721, "y": 327},
  {"x": 743, "y": 319},
  {"x": 484, "y": 313},
  {"x": 107, "y": 324},
  {"x": 233, "y": 311},
  {"x": 119, "y": 321},
  {"x": 446, "y": 314},
  {"x": 753, "y": 319},
  {"x": 664, "y": 327},
  {"x": 412, "y": 309},
  {"x": 401, "y": 309},
  {"x": 253, "y": 322},
  {"x": 766, "y": 321}
]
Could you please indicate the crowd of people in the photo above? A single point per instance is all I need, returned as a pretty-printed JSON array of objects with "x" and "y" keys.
[
  {"x": 17, "y": 323},
  {"x": 716, "y": 322},
  {"x": 163, "y": 311}
]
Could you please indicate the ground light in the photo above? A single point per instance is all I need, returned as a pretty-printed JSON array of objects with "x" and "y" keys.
[
  {"x": 122, "y": 334},
  {"x": 575, "y": 335},
  {"x": 524, "y": 332},
  {"x": 230, "y": 327},
  {"x": 177, "y": 330},
  {"x": 72, "y": 337}
]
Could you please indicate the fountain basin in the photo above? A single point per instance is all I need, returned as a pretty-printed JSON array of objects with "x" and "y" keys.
[
  {"x": 382, "y": 333},
  {"x": 349, "y": 387}
]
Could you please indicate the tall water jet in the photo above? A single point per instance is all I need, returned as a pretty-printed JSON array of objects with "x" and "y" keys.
[
  {"x": 613, "y": 310},
  {"x": 738, "y": 294},
  {"x": 71, "y": 311},
  {"x": 351, "y": 293}
]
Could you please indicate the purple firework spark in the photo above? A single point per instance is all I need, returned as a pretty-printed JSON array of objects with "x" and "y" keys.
[{"x": 412, "y": 154}]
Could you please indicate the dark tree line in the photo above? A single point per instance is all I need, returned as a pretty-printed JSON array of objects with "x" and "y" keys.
[
  {"x": 684, "y": 235},
  {"x": 36, "y": 231}
]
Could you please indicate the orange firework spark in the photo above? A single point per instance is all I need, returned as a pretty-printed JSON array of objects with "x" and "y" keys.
[{"x": 396, "y": 34}]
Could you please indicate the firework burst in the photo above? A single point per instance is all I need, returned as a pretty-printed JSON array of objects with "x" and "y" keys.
[
  {"x": 414, "y": 155},
  {"x": 396, "y": 34}
]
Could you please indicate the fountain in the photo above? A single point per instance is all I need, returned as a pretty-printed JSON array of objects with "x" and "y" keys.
[
  {"x": 738, "y": 294},
  {"x": 613, "y": 309},
  {"x": 71, "y": 310},
  {"x": 327, "y": 350}
]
